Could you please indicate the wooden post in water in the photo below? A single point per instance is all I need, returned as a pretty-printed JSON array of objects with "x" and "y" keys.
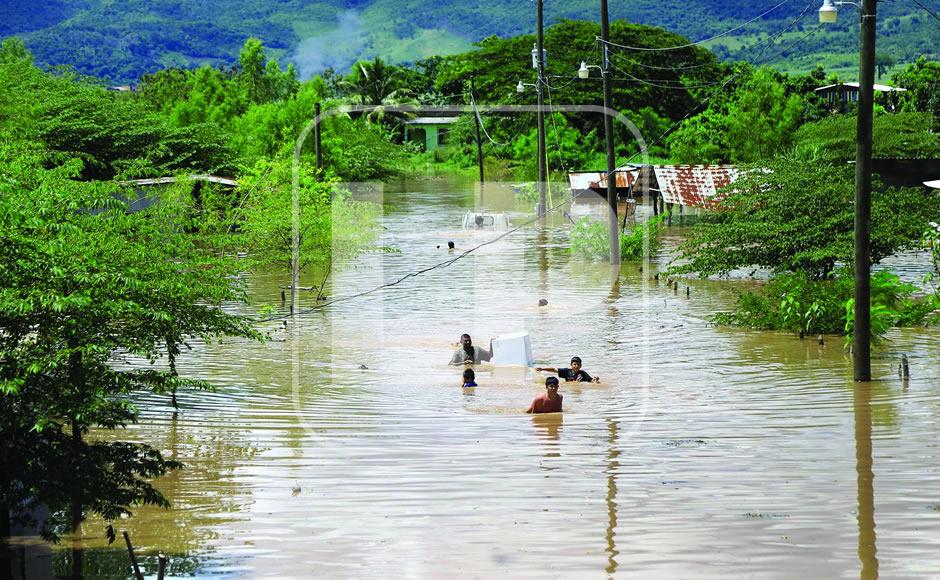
[
  {"x": 904, "y": 369},
  {"x": 130, "y": 550}
]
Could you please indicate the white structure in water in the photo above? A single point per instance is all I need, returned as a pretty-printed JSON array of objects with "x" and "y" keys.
[
  {"x": 512, "y": 350},
  {"x": 485, "y": 221}
]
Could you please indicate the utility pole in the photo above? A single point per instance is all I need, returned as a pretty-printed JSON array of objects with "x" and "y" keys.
[
  {"x": 613, "y": 228},
  {"x": 540, "y": 58},
  {"x": 866, "y": 79},
  {"x": 476, "y": 126},
  {"x": 316, "y": 138}
]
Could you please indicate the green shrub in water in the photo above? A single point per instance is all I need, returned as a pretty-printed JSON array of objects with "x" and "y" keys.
[
  {"x": 589, "y": 239},
  {"x": 631, "y": 244},
  {"x": 797, "y": 303}
]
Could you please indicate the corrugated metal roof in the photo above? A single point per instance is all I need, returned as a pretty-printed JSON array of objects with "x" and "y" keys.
[
  {"x": 172, "y": 179},
  {"x": 854, "y": 86},
  {"x": 693, "y": 185},
  {"x": 624, "y": 177},
  {"x": 432, "y": 120}
]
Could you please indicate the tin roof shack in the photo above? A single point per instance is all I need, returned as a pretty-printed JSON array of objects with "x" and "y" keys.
[
  {"x": 629, "y": 181},
  {"x": 143, "y": 200},
  {"x": 685, "y": 185},
  {"x": 840, "y": 95},
  {"x": 432, "y": 131},
  {"x": 693, "y": 185}
]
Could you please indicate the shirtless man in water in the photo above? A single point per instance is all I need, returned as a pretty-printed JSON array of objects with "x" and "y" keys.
[{"x": 550, "y": 402}]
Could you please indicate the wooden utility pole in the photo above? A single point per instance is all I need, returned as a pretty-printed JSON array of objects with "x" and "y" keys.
[
  {"x": 866, "y": 80},
  {"x": 316, "y": 138},
  {"x": 613, "y": 230},
  {"x": 540, "y": 60},
  {"x": 476, "y": 126}
]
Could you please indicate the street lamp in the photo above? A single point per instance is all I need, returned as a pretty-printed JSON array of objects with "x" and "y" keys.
[
  {"x": 828, "y": 13},
  {"x": 861, "y": 339},
  {"x": 584, "y": 71},
  {"x": 520, "y": 86}
]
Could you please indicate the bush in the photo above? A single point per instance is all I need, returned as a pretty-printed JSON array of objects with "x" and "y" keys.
[
  {"x": 797, "y": 303},
  {"x": 589, "y": 238}
]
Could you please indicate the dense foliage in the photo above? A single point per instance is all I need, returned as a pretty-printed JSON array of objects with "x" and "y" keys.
[
  {"x": 800, "y": 304},
  {"x": 795, "y": 215},
  {"x": 83, "y": 282}
]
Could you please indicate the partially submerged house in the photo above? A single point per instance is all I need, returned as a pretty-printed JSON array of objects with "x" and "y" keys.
[
  {"x": 144, "y": 199},
  {"x": 682, "y": 185},
  {"x": 429, "y": 131}
]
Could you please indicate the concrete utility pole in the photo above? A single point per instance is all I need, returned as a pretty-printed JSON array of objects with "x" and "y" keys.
[
  {"x": 866, "y": 79},
  {"x": 613, "y": 229},
  {"x": 540, "y": 59},
  {"x": 476, "y": 126}
]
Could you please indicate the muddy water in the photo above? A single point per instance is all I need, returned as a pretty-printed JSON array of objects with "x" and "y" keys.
[{"x": 704, "y": 452}]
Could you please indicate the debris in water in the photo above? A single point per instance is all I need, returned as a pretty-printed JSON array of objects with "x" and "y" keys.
[
  {"x": 543, "y": 302},
  {"x": 296, "y": 489},
  {"x": 685, "y": 442},
  {"x": 363, "y": 368}
]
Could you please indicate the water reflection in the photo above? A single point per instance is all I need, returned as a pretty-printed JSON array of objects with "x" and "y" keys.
[
  {"x": 867, "y": 551},
  {"x": 613, "y": 466}
]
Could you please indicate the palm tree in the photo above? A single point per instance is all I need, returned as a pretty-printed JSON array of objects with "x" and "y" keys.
[{"x": 375, "y": 84}]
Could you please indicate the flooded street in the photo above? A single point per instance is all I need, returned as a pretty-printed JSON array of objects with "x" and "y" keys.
[{"x": 704, "y": 452}]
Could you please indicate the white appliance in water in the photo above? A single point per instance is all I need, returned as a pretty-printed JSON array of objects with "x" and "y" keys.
[{"x": 512, "y": 350}]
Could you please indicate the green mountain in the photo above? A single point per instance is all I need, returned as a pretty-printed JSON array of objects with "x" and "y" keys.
[{"x": 122, "y": 40}]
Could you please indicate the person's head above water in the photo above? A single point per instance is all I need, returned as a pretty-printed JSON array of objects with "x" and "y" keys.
[
  {"x": 576, "y": 363},
  {"x": 551, "y": 385},
  {"x": 465, "y": 340},
  {"x": 469, "y": 376},
  {"x": 450, "y": 245}
]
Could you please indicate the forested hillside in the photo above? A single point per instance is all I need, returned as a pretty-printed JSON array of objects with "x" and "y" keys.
[{"x": 121, "y": 41}]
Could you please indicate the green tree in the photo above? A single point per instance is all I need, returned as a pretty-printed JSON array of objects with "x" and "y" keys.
[
  {"x": 84, "y": 282},
  {"x": 755, "y": 119},
  {"x": 332, "y": 228},
  {"x": 795, "y": 215},
  {"x": 922, "y": 81},
  {"x": 12, "y": 50}
]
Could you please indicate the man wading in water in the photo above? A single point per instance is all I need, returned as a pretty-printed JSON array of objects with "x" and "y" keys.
[
  {"x": 550, "y": 402},
  {"x": 469, "y": 354}
]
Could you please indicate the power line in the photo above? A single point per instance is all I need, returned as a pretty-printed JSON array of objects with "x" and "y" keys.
[
  {"x": 417, "y": 273},
  {"x": 691, "y": 44},
  {"x": 476, "y": 112},
  {"x": 733, "y": 77},
  {"x": 927, "y": 10}
]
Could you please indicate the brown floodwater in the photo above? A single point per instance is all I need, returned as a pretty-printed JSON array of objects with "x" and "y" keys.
[{"x": 704, "y": 452}]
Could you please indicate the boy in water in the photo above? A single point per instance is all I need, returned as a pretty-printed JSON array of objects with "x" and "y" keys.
[
  {"x": 575, "y": 373},
  {"x": 469, "y": 378},
  {"x": 550, "y": 402}
]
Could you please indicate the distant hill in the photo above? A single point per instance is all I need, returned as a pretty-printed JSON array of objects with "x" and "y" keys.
[{"x": 120, "y": 40}]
